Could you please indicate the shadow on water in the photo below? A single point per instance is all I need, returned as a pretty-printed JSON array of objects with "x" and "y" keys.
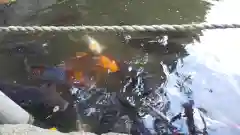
[{"x": 159, "y": 53}]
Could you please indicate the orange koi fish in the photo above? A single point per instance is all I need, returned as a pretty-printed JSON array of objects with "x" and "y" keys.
[{"x": 81, "y": 68}]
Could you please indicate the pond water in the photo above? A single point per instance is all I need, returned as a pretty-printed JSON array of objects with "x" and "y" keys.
[{"x": 209, "y": 57}]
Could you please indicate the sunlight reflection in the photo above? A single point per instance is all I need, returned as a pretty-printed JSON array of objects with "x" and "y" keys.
[{"x": 215, "y": 63}]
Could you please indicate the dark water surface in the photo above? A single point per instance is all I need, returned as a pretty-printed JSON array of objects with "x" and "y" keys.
[{"x": 210, "y": 58}]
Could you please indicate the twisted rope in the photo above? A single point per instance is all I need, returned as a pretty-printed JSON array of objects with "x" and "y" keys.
[{"x": 124, "y": 28}]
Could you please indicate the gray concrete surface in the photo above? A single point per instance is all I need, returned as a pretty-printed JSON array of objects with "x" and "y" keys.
[
  {"x": 9, "y": 109},
  {"x": 25, "y": 129}
]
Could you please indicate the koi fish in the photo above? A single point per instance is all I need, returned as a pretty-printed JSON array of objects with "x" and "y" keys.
[
  {"x": 95, "y": 58},
  {"x": 75, "y": 71},
  {"x": 84, "y": 62},
  {"x": 57, "y": 75},
  {"x": 78, "y": 70},
  {"x": 93, "y": 63}
]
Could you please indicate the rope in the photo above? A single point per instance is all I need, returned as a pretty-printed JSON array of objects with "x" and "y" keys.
[{"x": 124, "y": 28}]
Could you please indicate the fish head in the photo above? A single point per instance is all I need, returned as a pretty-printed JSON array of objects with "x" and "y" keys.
[{"x": 94, "y": 46}]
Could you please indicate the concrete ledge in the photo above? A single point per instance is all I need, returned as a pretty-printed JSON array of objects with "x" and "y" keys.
[
  {"x": 11, "y": 113},
  {"x": 25, "y": 129}
]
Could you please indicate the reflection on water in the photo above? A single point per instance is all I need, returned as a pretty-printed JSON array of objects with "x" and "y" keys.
[
  {"x": 214, "y": 70},
  {"x": 205, "y": 71}
]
